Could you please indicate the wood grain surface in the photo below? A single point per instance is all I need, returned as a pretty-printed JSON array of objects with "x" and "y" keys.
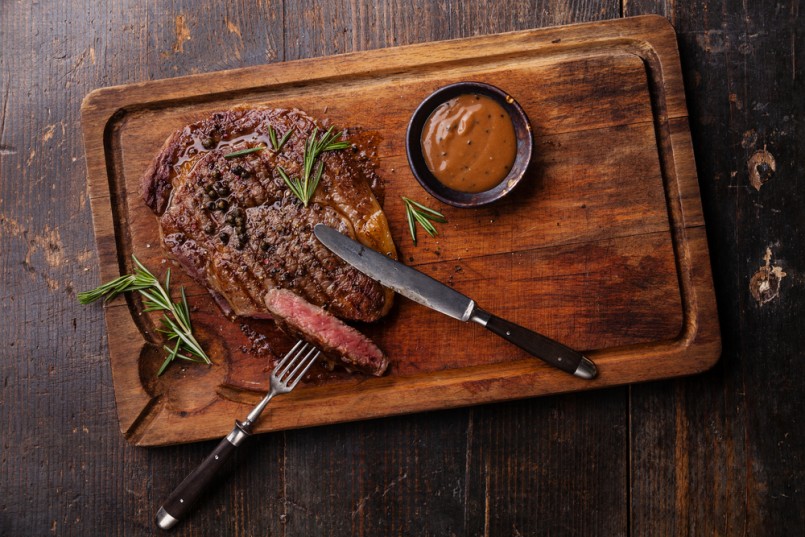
[{"x": 717, "y": 453}]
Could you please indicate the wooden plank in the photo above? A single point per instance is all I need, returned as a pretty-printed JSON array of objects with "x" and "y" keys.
[
  {"x": 650, "y": 38},
  {"x": 515, "y": 450},
  {"x": 730, "y": 435}
]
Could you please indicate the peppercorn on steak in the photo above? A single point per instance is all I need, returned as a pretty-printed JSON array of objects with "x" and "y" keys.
[{"x": 226, "y": 190}]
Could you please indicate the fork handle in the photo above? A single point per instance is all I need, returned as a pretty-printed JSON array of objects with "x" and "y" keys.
[{"x": 182, "y": 499}]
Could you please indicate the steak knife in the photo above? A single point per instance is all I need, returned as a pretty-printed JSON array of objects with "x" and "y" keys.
[{"x": 429, "y": 292}]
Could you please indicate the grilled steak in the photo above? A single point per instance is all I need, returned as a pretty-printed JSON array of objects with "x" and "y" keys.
[
  {"x": 340, "y": 343},
  {"x": 237, "y": 228}
]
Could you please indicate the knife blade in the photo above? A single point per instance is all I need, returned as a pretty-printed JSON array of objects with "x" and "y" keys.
[{"x": 433, "y": 294}]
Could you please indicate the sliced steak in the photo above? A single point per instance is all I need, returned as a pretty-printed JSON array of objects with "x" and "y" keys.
[
  {"x": 236, "y": 227},
  {"x": 339, "y": 342}
]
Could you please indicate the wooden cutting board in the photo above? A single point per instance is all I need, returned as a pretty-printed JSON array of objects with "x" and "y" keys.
[{"x": 603, "y": 247}]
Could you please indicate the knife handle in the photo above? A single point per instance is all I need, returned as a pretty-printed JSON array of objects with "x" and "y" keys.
[
  {"x": 182, "y": 499},
  {"x": 542, "y": 347}
]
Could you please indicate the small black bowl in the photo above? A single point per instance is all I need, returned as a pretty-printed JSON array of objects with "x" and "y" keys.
[{"x": 522, "y": 132}]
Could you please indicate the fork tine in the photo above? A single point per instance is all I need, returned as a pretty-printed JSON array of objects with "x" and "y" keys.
[
  {"x": 283, "y": 367},
  {"x": 300, "y": 364},
  {"x": 288, "y": 356},
  {"x": 313, "y": 352}
]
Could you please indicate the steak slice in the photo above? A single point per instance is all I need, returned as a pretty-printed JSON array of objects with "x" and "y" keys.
[
  {"x": 235, "y": 226},
  {"x": 338, "y": 341}
]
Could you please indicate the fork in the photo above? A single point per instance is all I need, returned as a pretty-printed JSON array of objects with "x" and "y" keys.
[{"x": 286, "y": 375}]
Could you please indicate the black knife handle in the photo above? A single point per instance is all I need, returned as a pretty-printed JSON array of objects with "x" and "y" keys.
[
  {"x": 182, "y": 499},
  {"x": 542, "y": 347}
]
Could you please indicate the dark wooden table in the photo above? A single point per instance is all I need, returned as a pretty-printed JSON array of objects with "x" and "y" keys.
[{"x": 716, "y": 454}]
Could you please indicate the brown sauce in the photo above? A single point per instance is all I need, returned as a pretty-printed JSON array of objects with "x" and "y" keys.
[{"x": 469, "y": 144}]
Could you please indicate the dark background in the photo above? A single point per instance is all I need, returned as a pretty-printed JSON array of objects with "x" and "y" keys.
[{"x": 716, "y": 454}]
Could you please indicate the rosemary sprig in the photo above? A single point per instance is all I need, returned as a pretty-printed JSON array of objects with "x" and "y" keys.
[
  {"x": 303, "y": 187},
  {"x": 277, "y": 144},
  {"x": 244, "y": 152},
  {"x": 416, "y": 212},
  {"x": 175, "y": 322}
]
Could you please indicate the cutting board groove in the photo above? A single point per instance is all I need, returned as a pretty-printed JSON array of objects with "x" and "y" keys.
[{"x": 602, "y": 248}]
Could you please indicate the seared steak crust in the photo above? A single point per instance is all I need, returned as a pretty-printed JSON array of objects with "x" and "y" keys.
[{"x": 237, "y": 229}]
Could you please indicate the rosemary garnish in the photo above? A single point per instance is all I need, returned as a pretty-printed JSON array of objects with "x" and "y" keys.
[
  {"x": 304, "y": 187},
  {"x": 277, "y": 144},
  {"x": 416, "y": 212},
  {"x": 175, "y": 326},
  {"x": 244, "y": 152}
]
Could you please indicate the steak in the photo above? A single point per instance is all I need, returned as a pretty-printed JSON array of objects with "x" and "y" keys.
[
  {"x": 339, "y": 342},
  {"x": 235, "y": 226}
]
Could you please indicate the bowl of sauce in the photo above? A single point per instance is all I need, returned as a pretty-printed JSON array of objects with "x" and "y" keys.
[{"x": 469, "y": 144}]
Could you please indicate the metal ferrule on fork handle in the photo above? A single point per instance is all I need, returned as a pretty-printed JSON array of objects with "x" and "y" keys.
[{"x": 286, "y": 375}]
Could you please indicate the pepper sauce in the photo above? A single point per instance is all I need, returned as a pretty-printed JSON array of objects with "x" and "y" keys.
[{"x": 469, "y": 144}]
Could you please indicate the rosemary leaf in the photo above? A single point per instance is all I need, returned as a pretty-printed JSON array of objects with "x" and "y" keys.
[
  {"x": 111, "y": 289},
  {"x": 305, "y": 186},
  {"x": 244, "y": 152},
  {"x": 425, "y": 223},
  {"x": 143, "y": 272},
  {"x": 411, "y": 224},
  {"x": 415, "y": 213},
  {"x": 294, "y": 184},
  {"x": 310, "y": 152},
  {"x": 155, "y": 302},
  {"x": 156, "y": 297},
  {"x": 171, "y": 355},
  {"x": 315, "y": 180},
  {"x": 436, "y": 216},
  {"x": 108, "y": 290},
  {"x": 275, "y": 143},
  {"x": 284, "y": 139},
  {"x": 185, "y": 309},
  {"x": 272, "y": 136}
]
